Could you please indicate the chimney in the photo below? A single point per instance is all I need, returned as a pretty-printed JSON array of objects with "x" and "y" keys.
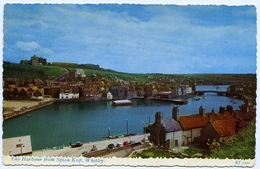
[
  {"x": 212, "y": 110},
  {"x": 210, "y": 118},
  {"x": 229, "y": 108},
  {"x": 175, "y": 113},
  {"x": 202, "y": 111},
  {"x": 158, "y": 117},
  {"x": 244, "y": 108},
  {"x": 221, "y": 110}
]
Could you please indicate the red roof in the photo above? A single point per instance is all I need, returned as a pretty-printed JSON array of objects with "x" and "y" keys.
[
  {"x": 225, "y": 127},
  {"x": 197, "y": 120},
  {"x": 193, "y": 121},
  {"x": 225, "y": 115}
]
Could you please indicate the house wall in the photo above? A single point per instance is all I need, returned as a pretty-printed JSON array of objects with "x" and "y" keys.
[
  {"x": 179, "y": 91},
  {"x": 109, "y": 96},
  {"x": 55, "y": 92},
  {"x": 186, "y": 137},
  {"x": 172, "y": 136},
  {"x": 69, "y": 95},
  {"x": 190, "y": 135},
  {"x": 178, "y": 136},
  {"x": 195, "y": 134},
  {"x": 189, "y": 90}
]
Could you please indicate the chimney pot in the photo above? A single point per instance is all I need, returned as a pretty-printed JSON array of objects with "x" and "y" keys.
[
  {"x": 175, "y": 113},
  {"x": 158, "y": 117}
]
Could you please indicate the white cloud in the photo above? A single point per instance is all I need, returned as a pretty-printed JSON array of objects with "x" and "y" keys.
[
  {"x": 28, "y": 46},
  {"x": 32, "y": 47}
]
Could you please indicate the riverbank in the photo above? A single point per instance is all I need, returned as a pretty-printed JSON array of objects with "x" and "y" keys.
[{"x": 12, "y": 108}]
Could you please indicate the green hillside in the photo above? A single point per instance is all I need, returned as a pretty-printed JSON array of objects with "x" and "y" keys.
[
  {"x": 51, "y": 72},
  {"x": 26, "y": 71},
  {"x": 120, "y": 75}
]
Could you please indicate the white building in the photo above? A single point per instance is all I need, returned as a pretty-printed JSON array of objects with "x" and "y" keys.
[
  {"x": 69, "y": 95},
  {"x": 69, "y": 92},
  {"x": 109, "y": 96},
  {"x": 80, "y": 73},
  {"x": 188, "y": 90}
]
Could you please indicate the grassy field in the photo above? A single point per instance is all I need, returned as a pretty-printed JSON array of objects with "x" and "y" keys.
[
  {"x": 113, "y": 74},
  {"x": 26, "y": 71}
]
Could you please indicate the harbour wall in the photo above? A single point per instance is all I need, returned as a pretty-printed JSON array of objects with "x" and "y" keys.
[{"x": 27, "y": 109}]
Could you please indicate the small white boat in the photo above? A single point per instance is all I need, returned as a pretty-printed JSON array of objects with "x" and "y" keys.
[{"x": 121, "y": 102}]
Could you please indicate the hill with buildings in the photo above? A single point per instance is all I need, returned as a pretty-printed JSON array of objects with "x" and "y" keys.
[{"x": 54, "y": 70}]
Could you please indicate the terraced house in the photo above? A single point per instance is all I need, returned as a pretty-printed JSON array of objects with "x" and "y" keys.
[{"x": 201, "y": 127}]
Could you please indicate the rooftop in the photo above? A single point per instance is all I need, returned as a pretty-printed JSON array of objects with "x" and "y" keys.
[{"x": 171, "y": 125}]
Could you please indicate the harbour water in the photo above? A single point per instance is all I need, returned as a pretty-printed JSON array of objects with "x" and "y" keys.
[{"x": 64, "y": 123}]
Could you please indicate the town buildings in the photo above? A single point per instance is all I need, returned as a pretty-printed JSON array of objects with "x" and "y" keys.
[{"x": 89, "y": 88}]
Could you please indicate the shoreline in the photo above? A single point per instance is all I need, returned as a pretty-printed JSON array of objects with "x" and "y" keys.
[{"x": 13, "y": 108}]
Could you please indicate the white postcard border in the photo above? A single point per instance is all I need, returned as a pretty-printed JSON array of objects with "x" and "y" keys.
[{"x": 159, "y": 162}]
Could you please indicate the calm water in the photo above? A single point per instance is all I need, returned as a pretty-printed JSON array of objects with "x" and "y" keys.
[{"x": 62, "y": 123}]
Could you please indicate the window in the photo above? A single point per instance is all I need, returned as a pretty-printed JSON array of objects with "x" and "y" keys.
[
  {"x": 176, "y": 143},
  {"x": 19, "y": 145}
]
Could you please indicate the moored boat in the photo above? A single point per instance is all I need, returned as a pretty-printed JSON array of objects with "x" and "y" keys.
[{"x": 121, "y": 102}]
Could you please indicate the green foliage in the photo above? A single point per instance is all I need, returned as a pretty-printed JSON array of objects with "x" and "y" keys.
[
  {"x": 194, "y": 150},
  {"x": 242, "y": 146},
  {"x": 155, "y": 152},
  {"x": 28, "y": 71},
  {"x": 213, "y": 145},
  {"x": 112, "y": 74}
]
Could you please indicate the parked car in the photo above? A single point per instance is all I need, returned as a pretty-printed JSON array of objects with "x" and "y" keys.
[
  {"x": 111, "y": 146},
  {"x": 145, "y": 140},
  {"x": 119, "y": 144},
  {"x": 77, "y": 144},
  {"x": 132, "y": 141},
  {"x": 126, "y": 143}
]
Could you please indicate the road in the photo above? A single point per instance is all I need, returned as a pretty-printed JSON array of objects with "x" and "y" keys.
[{"x": 77, "y": 152}]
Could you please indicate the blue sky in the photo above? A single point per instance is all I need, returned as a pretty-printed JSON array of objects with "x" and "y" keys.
[{"x": 168, "y": 39}]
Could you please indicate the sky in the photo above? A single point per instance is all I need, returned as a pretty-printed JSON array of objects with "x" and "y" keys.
[{"x": 170, "y": 39}]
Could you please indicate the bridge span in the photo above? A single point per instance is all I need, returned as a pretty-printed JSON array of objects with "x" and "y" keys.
[{"x": 219, "y": 93}]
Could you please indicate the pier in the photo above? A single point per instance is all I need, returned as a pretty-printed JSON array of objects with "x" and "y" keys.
[
  {"x": 176, "y": 101},
  {"x": 13, "y": 112}
]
